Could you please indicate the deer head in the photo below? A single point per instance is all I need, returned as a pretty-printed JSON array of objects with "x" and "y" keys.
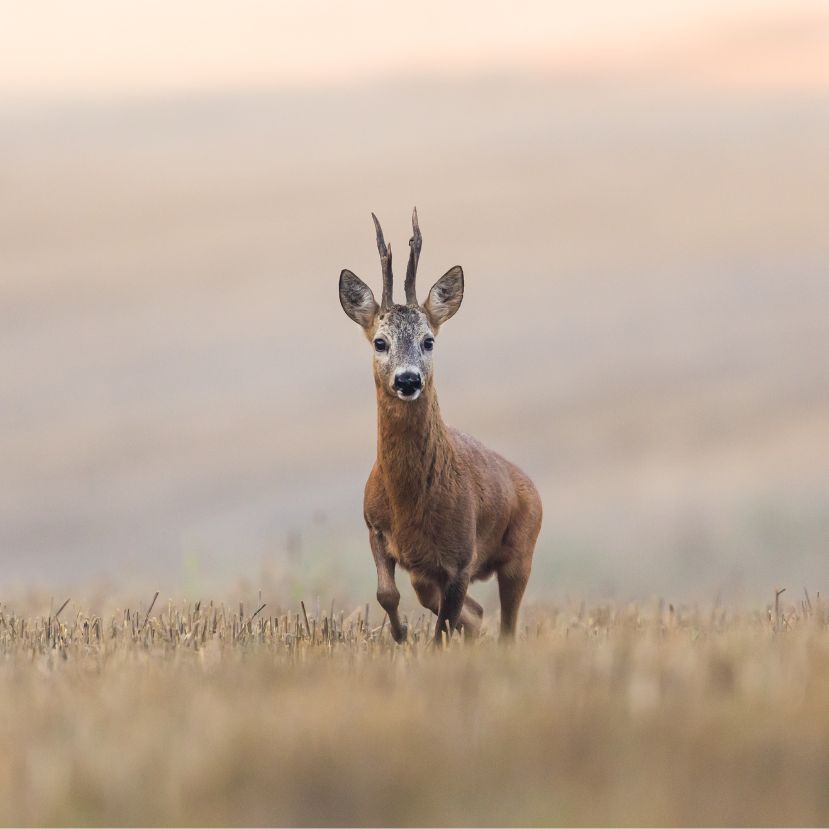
[{"x": 402, "y": 336}]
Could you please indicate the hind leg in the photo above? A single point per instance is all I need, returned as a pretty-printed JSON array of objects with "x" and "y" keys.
[
  {"x": 429, "y": 595},
  {"x": 512, "y": 580},
  {"x": 517, "y": 554},
  {"x": 475, "y": 614}
]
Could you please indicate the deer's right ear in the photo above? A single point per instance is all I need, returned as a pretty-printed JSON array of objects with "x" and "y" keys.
[{"x": 357, "y": 299}]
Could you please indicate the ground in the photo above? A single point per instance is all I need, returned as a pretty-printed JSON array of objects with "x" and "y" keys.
[{"x": 647, "y": 714}]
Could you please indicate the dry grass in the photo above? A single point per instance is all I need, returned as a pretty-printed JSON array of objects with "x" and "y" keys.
[{"x": 610, "y": 715}]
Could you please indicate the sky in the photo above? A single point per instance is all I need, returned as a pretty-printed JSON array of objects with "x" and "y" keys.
[
  {"x": 655, "y": 173},
  {"x": 107, "y": 48}
]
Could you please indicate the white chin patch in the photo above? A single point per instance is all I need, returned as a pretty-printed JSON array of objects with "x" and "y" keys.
[{"x": 408, "y": 397}]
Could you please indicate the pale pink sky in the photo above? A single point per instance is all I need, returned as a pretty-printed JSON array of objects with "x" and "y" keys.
[{"x": 144, "y": 47}]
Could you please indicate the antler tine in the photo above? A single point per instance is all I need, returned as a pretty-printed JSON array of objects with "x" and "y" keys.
[
  {"x": 385, "y": 263},
  {"x": 415, "y": 243}
]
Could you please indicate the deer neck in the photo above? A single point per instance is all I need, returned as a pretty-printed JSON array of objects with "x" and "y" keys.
[{"x": 413, "y": 448}]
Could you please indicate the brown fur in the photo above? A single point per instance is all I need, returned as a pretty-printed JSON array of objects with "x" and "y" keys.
[
  {"x": 437, "y": 502},
  {"x": 448, "y": 510}
]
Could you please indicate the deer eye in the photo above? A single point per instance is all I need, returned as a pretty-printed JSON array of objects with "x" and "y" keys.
[
  {"x": 429, "y": 343},
  {"x": 380, "y": 344}
]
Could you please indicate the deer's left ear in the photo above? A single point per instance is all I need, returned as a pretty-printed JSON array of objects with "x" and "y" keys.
[{"x": 445, "y": 296}]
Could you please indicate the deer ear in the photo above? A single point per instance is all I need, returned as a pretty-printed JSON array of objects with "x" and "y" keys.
[
  {"x": 357, "y": 299},
  {"x": 445, "y": 296}
]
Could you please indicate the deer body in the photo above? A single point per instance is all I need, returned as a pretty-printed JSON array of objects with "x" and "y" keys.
[{"x": 437, "y": 502}]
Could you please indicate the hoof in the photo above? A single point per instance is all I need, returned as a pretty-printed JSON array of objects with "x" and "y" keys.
[{"x": 400, "y": 635}]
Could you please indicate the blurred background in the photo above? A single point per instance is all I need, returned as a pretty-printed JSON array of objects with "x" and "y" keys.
[{"x": 638, "y": 195}]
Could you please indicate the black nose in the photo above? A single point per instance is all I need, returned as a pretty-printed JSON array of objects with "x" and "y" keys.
[{"x": 407, "y": 382}]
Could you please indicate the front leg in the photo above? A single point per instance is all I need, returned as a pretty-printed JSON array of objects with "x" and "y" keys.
[
  {"x": 451, "y": 604},
  {"x": 387, "y": 592}
]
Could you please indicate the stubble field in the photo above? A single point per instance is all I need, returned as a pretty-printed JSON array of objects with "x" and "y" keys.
[{"x": 209, "y": 714}]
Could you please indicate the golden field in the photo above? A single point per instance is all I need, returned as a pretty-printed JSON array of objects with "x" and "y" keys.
[{"x": 206, "y": 714}]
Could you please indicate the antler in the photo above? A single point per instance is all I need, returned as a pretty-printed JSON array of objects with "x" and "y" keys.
[
  {"x": 385, "y": 263},
  {"x": 415, "y": 243}
]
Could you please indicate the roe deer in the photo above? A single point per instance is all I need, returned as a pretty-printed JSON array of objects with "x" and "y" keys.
[{"x": 437, "y": 502}]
